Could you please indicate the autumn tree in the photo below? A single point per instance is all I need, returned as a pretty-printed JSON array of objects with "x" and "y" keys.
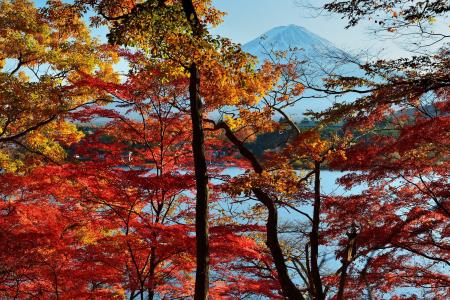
[
  {"x": 127, "y": 189},
  {"x": 153, "y": 142},
  {"x": 275, "y": 184},
  {"x": 144, "y": 171},
  {"x": 46, "y": 244},
  {"x": 185, "y": 44},
  {"x": 398, "y": 224},
  {"x": 42, "y": 52},
  {"x": 122, "y": 222}
]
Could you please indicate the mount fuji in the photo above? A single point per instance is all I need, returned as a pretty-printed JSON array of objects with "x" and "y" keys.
[
  {"x": 283, "y": 38},
  {"x": 320, "y": 57}
]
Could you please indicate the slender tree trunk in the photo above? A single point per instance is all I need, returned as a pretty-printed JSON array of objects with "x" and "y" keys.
[
  {"x": 290, "y": 291},
  {"x": 314, "y": 237},
  {"x": 342, "y": 279},
  {"x": 201, "y": 178},
  {"x": 151, "y": 290},
  {"x": 201, "y": 175},
  {"x": 347, "y": 257},
  {"x": 151, "y": 294},
  {"x": 56, "y": 285}
]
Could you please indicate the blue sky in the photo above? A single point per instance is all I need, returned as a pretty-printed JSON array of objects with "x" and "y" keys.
[{"x": 248, "y": 19}]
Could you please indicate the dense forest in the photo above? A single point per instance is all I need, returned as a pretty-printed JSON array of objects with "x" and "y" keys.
[{"x": 184, "y": 176}]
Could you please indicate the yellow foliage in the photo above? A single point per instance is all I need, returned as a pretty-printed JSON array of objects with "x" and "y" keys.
[
  {"x": 87, "y": 236},
  {"x": 9, "y": 164},
  {"x": 47, "y": 50}
]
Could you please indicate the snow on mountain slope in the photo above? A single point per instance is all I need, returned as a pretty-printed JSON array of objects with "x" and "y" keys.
[
  {"x": 284, "y": 37},
  {"x": 320, "y": 56}
]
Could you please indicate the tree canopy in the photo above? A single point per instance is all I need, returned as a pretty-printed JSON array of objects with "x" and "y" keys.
[{"x": 144, "y": 183}]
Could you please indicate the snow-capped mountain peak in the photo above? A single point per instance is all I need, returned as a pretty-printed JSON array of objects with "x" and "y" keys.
[
  {"x": 319, "y": 56},
  {"x": 287, "y": 37}
]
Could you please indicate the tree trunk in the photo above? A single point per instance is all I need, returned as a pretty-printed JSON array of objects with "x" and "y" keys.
[
  {"x": 290, "y": 291},
  {"x": 201, "y": 175},
  {"x": 314, "y": 237},
  {"x": 201, "y": 178},
  {"x": 151, "y": 294},
  {"x": 347, "y": 257},
  {"x": 151, "y": 289}
]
